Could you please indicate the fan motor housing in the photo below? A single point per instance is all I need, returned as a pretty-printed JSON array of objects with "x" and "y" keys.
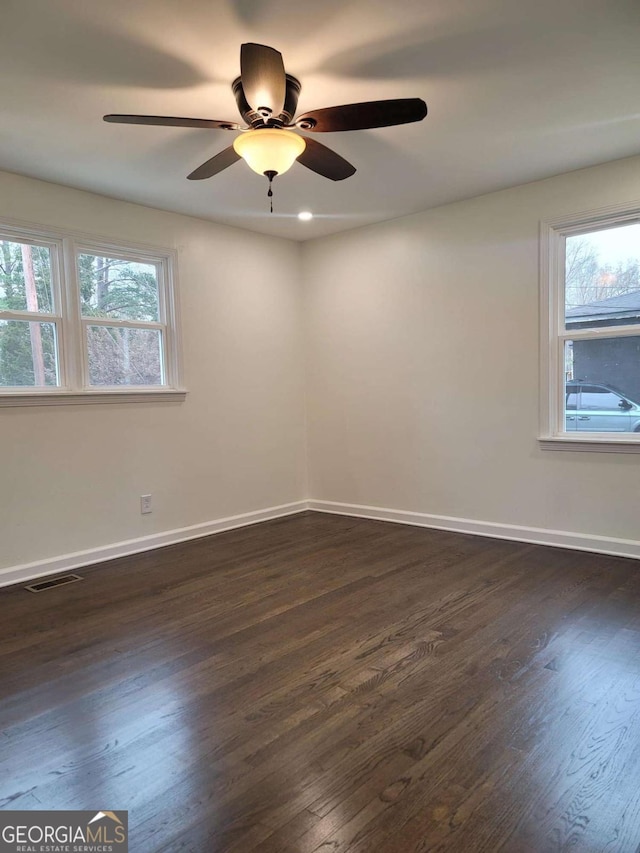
[{"x": 257, "y": 119}]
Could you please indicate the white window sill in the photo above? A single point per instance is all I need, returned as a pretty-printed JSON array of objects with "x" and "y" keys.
[
  {"x": 73, "y": 398},
  {"x": 596, "y": 443}
]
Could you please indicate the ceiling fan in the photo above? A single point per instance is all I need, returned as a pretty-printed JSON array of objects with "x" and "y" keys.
[{"x": 267, "y": 98}]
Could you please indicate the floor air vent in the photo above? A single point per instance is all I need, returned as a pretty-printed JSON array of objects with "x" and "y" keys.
[{"x": 43, "y": 585}]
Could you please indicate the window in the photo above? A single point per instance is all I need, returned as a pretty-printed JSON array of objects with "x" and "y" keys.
[
  {"x": 85, "y": 321},
  {"x": 591, "y": 340}
]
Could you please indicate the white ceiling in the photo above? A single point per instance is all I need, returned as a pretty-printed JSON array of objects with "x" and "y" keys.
[{"x": 517, "y": 90}]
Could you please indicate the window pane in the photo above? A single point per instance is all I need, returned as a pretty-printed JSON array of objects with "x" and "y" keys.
[
  {"x": 602, "y": 278},
  {"x": 117, "y": 288},
  {"x": 28, "y": 354},
  {"x": 603, "y": 385},
  {"x": 121, "y": 356},
  {"x": 598, "y": 397},
  {"x": 25, "y": 277}
]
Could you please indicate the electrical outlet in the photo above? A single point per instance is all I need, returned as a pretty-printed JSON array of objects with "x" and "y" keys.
[{"x": 145, "y": 504}]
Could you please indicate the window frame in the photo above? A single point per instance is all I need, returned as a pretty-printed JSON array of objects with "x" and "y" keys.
[
  {"x": 554, "y": 334},
  {"x": 71, "y": 338}
]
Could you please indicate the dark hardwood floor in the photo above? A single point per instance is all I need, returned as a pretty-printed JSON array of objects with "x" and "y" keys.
[{"x": 321, "y": 683}]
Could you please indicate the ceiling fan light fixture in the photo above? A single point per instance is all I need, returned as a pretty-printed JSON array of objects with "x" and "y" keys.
[
  {"x": 267, "y": 99},
  {"x": 269, "y": 149}
]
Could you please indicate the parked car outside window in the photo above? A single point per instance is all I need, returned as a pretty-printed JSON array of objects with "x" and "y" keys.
[{"x": 598, "y": 408}]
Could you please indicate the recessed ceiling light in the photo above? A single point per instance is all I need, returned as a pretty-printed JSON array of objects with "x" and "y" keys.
[{"x": 305, "y": 215}]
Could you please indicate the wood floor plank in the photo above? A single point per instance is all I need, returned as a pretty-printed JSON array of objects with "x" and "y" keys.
[{"x": 324, "y": 683}]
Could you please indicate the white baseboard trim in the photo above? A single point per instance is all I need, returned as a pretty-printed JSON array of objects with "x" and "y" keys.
[
  {"x": 79, "y": 559},
  {"x": 533, "y": 535}
]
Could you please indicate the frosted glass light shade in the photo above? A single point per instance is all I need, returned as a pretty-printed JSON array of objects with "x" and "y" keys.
[{"x": 269, "y": 150}]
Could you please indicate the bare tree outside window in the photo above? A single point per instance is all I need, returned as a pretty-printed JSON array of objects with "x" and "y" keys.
[{"x": 601, "y": 265}]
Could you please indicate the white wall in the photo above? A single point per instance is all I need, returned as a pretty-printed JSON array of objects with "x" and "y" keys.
[
  {"x": 422, "y": 379},
  {"x": 71, "y": 476},
  {"x": 422, "y": 348}
]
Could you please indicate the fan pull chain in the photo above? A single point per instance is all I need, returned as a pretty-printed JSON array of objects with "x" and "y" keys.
[{"x": 271, "y": 175}]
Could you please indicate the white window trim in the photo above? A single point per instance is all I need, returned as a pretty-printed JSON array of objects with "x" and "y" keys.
[
  {"x": 553, "y": 232},
  {"x": 65, "y": 245}
]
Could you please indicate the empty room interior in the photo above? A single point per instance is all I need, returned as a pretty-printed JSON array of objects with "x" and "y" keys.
[{"x": 320, "y": 426}]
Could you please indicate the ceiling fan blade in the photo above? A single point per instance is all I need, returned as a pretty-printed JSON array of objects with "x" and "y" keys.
[
  {"x": 216, "y": 164},
  {"x": 263, "y": 78},
  {"x": 325, "y": 162},
  {"x": 170, "y": 121},
  {"x": 363, "y": 116}
]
